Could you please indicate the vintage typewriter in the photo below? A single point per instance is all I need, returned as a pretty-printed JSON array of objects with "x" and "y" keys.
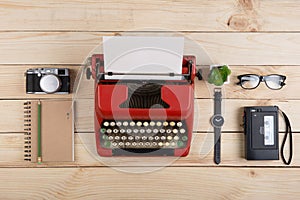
[{"x": 143, "y": 117}]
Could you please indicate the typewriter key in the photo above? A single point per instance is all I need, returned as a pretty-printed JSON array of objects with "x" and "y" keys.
[
  {"x": 148, "y": 130},
  {"x": 132, "y": 123},
  {"x": 119, "y": 123},
  {"x": 156, "y": 138},
  {"x": 104, "y": 137},
  {"x": 106, "y": 124},
  {"x": 175, "y": 131},
  {"x": 141, "y": 143},
  {"x": 179, "y": 124},
  {"x": 145, "y": 124},
  {"x": 176, "y": 137},
  {"x": 150, "y": 138},
  {"x": 154, "y": 144},
  {"x": 112, "y": 123},
  {"x": 107, "y": 144},
  {"x": 117, "y": 137},
  {"x": 180, "y": 144},
  {"x": 102, "y": 130},
  {"x": 162, "y": 130},
  {"x": 115, "y": 144},
  {"x": 184, "y": 138},
  {"x": 130, "y": 138},
  {"x": 128, "y": 130},
  {"x": 142, "y": 131},
  {"x": 122, "y": 131},
  {"x": 169, "y": 137},
  {"x": 163, "y": 137},
  {"x": 139, "y": 123},
  {"x": 152, "y": 123},
  {"x": 182, "y": 130},
  {"x": 116, "y": 130},
  {"x": 135, "y": 130},
  {"x": 155, "y": 130},
  {"x": 110, "y": 138},
  {"x": 172, "y": 123},
  {"x": 109, "y": 131},
  {"x": 147, "y": 144},
  {"x": 173, "y": 144},
  {"x": 125, "y": 123},
  {"x": 158, "y": 123},
  {"x": 167, "y": 144},
  {"x": 123, "y": 137},
  {"x": 137, "y": 137},
  {"x": 134, "y": 144},
  {"x": 144, "y": 138},
  {"x": 127, "y": 144},
  {"x": 169, "y": 130},
  {"x": 160, "y": 144},
  {"x": 165, "y": 123}
]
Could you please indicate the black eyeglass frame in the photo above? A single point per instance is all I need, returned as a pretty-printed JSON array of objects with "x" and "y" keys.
[{"x": 261, "y": 79}]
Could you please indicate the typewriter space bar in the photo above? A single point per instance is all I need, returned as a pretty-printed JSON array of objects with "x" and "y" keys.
[{"x": 143, "y": 152}]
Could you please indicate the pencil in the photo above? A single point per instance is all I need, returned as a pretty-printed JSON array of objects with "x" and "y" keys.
[{"x": 39, "y": 153}]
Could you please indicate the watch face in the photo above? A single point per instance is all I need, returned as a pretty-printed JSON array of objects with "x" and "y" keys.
[{"x": 217, "y": 121}]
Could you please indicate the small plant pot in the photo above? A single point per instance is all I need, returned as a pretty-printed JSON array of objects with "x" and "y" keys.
[{"x": 220, "y": 80}]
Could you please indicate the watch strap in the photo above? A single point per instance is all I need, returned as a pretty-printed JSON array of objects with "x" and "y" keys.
[
  {"x": 217, "y": 146},
  {"x": 217, "y": 130},
  {"x": 217, "y": 101}
]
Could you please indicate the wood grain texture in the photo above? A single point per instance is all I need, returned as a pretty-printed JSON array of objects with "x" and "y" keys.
[
  {"x": 179, "y": 15},
  {"x": 210, "y": 48},
  {"x": 167, "y": 183},
  {"x": 201, "y": 153}
]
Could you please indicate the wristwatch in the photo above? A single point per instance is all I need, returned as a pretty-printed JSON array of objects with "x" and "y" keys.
[{"x": 217, "y": 122}]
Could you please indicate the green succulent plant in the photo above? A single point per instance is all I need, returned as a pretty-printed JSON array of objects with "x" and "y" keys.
[{"x": 218, "y": 75}]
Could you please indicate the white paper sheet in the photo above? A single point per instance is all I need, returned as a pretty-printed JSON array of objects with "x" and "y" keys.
[{"x": 142, "y": 55}]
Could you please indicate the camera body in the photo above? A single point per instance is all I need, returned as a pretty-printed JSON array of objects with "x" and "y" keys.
[{"x": 48, "y": 81}]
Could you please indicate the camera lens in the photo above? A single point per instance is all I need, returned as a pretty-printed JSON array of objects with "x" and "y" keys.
[{"x": 50, "y": 83}]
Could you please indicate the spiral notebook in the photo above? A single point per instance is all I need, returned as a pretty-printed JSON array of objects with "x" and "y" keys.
[{"x": 48, "y": 129}]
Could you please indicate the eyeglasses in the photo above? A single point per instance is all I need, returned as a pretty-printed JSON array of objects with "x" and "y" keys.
[{"x": 252, "y": 81}]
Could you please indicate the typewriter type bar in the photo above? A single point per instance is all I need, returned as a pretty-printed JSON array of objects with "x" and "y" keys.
[{"x": 146, "y": 117}]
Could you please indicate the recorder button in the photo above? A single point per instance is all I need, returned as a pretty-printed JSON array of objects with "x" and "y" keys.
[{"x": 50, "y": 83}]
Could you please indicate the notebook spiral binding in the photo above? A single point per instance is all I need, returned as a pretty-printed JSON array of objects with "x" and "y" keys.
[{"x": 27, "y": 131}]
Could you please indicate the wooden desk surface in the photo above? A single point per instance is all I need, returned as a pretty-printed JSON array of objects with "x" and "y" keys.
[{"x": 252, "y": 36}]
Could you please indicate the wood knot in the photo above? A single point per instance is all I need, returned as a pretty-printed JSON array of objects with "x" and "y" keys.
[
  {"x": 117, "y": 34},
  {"x": 252, "y": 174},
  {"x": 247, "y": 4},
  {"x": 238, "y": 22}
]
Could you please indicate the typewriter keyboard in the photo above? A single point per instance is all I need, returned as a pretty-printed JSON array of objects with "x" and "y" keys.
[{"x": 143, "y": 134}]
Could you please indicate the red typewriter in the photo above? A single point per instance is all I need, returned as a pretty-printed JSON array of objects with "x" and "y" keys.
[{"x": 143, "y": 117}]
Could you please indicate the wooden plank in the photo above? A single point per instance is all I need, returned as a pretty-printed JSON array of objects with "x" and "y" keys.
[
  {"x": 14, "y": 77},
  {"x": 201, "y": 153},
  {"x": 177, "y": 15},
  {"x": 168, "y": 183},
  {"x": 12, "y": 120},
  {"x": 210, "y": 48}
]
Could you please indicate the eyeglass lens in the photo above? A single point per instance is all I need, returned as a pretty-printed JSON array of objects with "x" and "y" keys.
[
  {"x": 274, "y": 81},
  {"x": 251, "y": 81}
]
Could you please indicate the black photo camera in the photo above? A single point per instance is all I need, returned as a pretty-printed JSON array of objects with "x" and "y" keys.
[
  {"x": 48, "y": 81},
  {"x": 261, "y": 132}
]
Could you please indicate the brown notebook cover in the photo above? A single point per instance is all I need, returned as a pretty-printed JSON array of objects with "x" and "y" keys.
[{"x": 57, "y": 138}]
